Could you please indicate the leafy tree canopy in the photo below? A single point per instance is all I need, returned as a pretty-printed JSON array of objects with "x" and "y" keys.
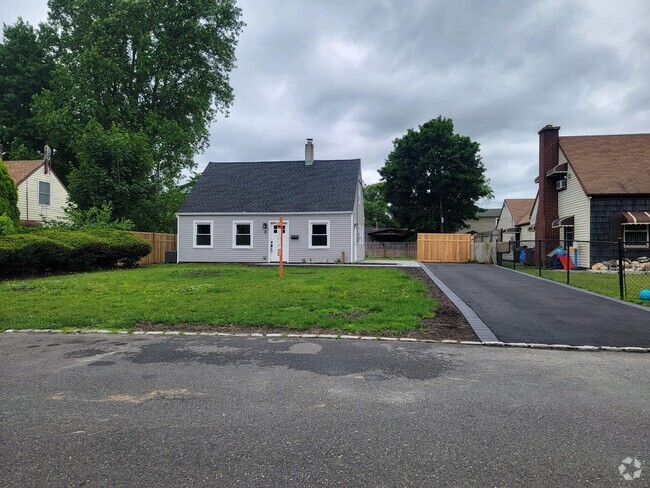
[
  {"x": 434, "y": 175},
  {"x": 156, "y": 67},
  {"x": 376, "y": 207},
  {"x": 26, "y": 62},
  {"x": 125, "y": 91}
]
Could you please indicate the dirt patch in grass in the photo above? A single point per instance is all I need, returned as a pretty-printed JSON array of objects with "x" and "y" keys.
[
  {"x": 448, "y": 322},
  {"x": 349, "y": 315},
  {"x": 203, "y": 273}
]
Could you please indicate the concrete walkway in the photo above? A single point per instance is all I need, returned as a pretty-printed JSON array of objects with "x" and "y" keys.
[{"x": 520, "y": 308}]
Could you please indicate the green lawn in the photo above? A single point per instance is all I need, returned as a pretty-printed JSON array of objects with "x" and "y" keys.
[
  {"x": 343, "y": 299},
  {"x": 603, "y": 283}
]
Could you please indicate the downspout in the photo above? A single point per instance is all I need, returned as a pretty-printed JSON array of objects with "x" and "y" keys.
[{"x": 351, "y": 236}]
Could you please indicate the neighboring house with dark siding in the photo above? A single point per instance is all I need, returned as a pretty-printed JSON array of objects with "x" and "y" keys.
[
  {"x": 232, "y": 213},
  {"x": 594, "y": 188}
]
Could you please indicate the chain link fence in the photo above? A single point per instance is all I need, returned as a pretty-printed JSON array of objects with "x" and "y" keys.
[{"x": 608, "y": 268}]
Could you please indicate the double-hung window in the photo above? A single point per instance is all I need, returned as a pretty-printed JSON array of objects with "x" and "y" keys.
[
  {"x": 319, "y": 234},
  {"x": 203, "y": 234},
  {"x": 44, "y": 193},
  {"x": 636, "y": 235},
  {"x": 242, "y": 235}
]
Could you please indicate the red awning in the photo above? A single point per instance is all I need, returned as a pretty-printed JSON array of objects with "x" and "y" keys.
[
  {"x": 631, "y": 218},
  {"x": 563, "y": 222}
]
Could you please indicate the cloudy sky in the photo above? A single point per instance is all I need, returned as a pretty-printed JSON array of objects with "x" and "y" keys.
[{"x": 354, "y": 75}]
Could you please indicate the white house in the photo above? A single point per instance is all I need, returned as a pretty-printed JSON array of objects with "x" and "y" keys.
[
  {"x": 40, "y": 192},
  {"x": 232, "y": 214}
]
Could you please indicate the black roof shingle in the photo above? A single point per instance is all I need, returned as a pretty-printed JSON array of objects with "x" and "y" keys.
[{"x": 275, "y": 186}]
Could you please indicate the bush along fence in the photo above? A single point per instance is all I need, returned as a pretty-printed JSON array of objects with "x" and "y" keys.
[
  {"x": 609, "y": 268},
  {"x": 52, "y": 250}
]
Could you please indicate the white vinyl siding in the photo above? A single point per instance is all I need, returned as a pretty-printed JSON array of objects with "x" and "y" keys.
[
  {"x": 505, "y": 222},
  {"x": 297, "y": 238},
  {"x": 242, "y": 234},
  {"x": 203, "y": 234},
  {"x": 533, "y": 217},
  {"x": 29, "y": 197},
  {"x": 359, "y": 225},
  {"x": 319, "y": 234},
  {"x": 574, "y": 202}
]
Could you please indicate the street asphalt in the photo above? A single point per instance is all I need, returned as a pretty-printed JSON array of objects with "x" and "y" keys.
[
  {"x": 519, "y": 308},
  {"x": 121, "y": 410}
]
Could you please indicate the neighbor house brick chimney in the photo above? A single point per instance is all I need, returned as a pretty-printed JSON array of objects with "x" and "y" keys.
[
  {"x": 309, "y": 152},
  {"x": 547, "y": 206}
]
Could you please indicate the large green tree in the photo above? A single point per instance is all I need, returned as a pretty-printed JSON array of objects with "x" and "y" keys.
[
  {"x": 434, "y": 178},
  {"x": 376, "y": 208},
  {"x": 151, "y": 71},
  {"x": 26, "y": 61}
]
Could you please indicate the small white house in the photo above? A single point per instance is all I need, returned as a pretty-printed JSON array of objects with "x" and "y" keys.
[
  {"x": 40, "y": 192},
  {"x": 232, "y": 214}
]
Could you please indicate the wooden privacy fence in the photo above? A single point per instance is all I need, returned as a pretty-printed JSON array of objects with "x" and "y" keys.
[
  {"x": 391, "y": 249},
  {"x": 160, "y": 243},
  {"x": 444, "y": 248}
]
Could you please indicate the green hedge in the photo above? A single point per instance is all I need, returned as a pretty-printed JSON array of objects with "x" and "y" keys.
[{"x": 69, "y": 250}]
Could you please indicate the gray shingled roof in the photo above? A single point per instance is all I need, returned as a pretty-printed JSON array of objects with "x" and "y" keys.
[{"x": 275, "y": 186}]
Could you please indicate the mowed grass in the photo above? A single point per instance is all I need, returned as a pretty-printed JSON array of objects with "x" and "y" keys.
[
  {"x": 343, "y": 299},
  {"x": 602, "y": 283}
]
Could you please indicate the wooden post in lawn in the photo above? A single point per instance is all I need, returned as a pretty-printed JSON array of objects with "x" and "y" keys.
[{"x": 281, "y": 232}]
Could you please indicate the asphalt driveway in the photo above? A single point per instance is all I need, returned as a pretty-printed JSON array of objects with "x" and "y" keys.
[{"x": 520, "y": 308}]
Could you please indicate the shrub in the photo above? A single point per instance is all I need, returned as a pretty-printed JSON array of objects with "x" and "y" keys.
[
  {"x": 8, "y": 194},
  {"x": 31, "y": 253},
  {"x": 69, "y": 250},
  {"x": 7, "y": 225}
]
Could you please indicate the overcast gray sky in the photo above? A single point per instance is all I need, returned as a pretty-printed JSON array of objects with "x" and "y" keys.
[{"x": 354, "y": 75}]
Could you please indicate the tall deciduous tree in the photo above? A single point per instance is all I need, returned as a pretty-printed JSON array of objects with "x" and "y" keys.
[
  {"x": 26, "y": 62},
  {"x": 376, "y": 209},
  {"x": 152, "y": 70},
  {"x": 434, "y": 177}
]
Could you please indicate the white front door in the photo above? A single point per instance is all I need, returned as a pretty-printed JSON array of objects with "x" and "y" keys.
[{"x": 274, "y": 242}]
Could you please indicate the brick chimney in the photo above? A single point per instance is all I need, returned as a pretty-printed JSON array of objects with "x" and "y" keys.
[
  {"x": 309, "y": 152},
  {"x": 547, "y": 206}
]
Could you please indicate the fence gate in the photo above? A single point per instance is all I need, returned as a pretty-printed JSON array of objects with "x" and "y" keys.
[{"x": 444, "y": 248}]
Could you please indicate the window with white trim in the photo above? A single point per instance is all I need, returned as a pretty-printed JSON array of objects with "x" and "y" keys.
[
  {"x": 319, "y": 234},
  {"x": 242, "y": 234},
  {"x": 44, "y": 193},
  {"x": 202, "y": 234},
  {"x": 636, "y": 235}
]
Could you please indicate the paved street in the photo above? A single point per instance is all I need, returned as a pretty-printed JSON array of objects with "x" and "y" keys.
[
  {"x": 519, "y": 308},
  {"x": 113, "y": 410}
]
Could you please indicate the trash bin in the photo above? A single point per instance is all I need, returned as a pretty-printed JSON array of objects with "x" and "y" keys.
[{"x": 170, "y": 257}]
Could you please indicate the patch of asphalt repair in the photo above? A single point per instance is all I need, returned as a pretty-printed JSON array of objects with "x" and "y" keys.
[{"x": 317, "y": 358}]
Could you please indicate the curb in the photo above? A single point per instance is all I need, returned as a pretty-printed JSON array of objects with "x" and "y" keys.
[
  {"x": 479, "y": 327},
  {"x": 257, "y": 335}
]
